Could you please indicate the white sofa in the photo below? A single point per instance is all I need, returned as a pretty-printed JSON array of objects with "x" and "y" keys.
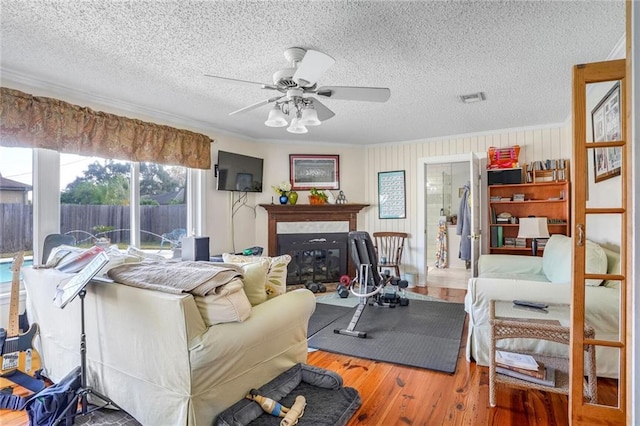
[
  {"x": 154, "y": 355},
  {"x": 511, "y": 277}
]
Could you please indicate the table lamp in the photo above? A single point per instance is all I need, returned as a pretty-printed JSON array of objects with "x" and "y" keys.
[{"x": 533, "y": 227}]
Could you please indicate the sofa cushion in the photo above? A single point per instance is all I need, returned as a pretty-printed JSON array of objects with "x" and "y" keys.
[
  {"x": 276, "y": 276},
  {"x": 255, "y": 279},
  {"x": 556, "y": 260},
  {"x": 228, "y": 303},
  {"x": 596, "y": 260}
]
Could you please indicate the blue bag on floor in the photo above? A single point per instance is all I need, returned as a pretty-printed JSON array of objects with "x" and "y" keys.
[{"x": 45, "y": 407}]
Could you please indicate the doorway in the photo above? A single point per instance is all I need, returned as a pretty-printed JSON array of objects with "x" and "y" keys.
[{"x": 443, "y": 181}]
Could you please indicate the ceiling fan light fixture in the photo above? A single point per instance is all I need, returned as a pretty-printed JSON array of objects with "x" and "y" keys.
[
  {"x": 296, "y": 127},
  {"x": 276, "y": 118},
  {"x": 310, "y": 117}
]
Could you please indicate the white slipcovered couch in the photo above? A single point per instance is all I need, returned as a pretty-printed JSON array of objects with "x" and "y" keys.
[
  {"x": 544, "y": 279},
  {"x": 168, "y": 359}
]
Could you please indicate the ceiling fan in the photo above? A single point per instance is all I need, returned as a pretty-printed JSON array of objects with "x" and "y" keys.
[{"x": 299, "y": 91}]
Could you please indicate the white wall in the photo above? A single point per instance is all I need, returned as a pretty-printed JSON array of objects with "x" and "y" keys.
[
  {"x": 540, "y": 143},
  {"x": 250, "y": 223}
]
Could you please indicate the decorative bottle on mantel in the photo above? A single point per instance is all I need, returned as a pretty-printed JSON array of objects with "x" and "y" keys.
[
  {"x": 284, "y": 199},
  {"x": 293, "y": 198}
]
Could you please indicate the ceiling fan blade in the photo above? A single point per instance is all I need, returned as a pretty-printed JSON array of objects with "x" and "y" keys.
[
  {"x": 350, "y": 93},
  {"x": 256, "y": 105},
  {"x": 324, "y": 113},
  {"x": 312, "y": 66},
  {"x": 235, "y": 80}
]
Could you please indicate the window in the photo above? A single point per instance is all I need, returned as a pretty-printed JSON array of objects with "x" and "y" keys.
[
  {"x": 96, "y": 202},
  {"x": 16, "y": 212}
]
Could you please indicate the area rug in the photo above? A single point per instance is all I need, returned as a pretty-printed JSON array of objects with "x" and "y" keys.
[
  {"x": 425, "y": 334},
  {"x": 107, "y": 417}
]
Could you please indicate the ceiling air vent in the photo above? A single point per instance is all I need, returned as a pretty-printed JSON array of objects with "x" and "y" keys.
[{"x": 473, "y": 97}]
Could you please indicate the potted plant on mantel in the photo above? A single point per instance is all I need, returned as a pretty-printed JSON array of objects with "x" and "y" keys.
[{"x": 317, "y": 197}]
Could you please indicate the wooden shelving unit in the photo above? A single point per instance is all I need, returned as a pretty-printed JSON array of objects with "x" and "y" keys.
[{"x": 549, "y": 199}]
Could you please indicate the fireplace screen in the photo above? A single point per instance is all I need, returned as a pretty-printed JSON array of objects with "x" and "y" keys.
[{"x": 314, "y": 257}]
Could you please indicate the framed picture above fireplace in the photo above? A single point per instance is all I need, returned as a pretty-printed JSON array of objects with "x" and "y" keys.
[{"x": 314, "y": 171}]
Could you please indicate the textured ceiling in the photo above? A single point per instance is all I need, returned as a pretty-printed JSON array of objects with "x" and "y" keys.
[{"x": 149, "y": 58}]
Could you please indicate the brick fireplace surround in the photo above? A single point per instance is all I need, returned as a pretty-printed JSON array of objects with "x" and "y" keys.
[{"x": 277, "y": 213}]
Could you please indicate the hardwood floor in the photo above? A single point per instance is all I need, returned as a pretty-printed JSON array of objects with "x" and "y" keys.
[{"x": 397, "y": 395}]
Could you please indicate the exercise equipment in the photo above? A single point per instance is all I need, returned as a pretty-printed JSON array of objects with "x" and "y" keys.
[
  {"x": 316, "y": 287},
  {"x": 373, "y": 288},
  {"x": 343, "y": 291}
]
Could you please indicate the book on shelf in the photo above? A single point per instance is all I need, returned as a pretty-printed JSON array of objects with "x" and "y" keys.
[
  {"x": 548, "y": 380},
  {"x": 500, "y": 236},
  {"x": 514, "y": 359},
  {"x": 74, "y": 262}
]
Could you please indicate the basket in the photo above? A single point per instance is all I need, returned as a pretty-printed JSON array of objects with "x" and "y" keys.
[{"x": 315, "y": 200}]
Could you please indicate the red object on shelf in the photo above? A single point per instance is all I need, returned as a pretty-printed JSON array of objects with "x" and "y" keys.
[{"x": 503, "y": 158}]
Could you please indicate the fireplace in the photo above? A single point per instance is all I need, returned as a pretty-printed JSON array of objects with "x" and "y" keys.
[
  {"x": 318, "y": 257},
  {"x": 316, "y": 260}
]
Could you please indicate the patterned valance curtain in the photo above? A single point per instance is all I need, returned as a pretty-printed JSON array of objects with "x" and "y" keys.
[{"x": 39, "y": 122}]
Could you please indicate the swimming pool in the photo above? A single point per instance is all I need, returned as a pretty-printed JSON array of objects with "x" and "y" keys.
[{"x": 5, "y": 268}]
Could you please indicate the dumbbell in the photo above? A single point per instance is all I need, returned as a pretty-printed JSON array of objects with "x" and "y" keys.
[
  {"x": 312, "y": 286},
  {"x": 343, "y": 291}
]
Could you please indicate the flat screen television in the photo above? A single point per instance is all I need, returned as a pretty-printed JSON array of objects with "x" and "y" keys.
[{"x": 237, "y": 172}]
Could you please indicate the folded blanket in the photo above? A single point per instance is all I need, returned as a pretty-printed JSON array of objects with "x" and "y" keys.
[{"x": 197, "y": 278}]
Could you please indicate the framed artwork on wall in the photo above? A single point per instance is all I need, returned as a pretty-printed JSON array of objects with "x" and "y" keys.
[
  {"x": 607, "y": 127},
  {"x": 314, "y": 171},
  {"x": 391, "y": 195}
]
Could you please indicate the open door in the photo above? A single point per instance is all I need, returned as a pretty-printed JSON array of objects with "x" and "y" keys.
[
  {"x": 476, "y": 166},
  {"x": 601, "y": 215}
]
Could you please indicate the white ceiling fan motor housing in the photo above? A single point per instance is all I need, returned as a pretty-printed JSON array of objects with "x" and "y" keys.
[{"x": 284, "y": 77}]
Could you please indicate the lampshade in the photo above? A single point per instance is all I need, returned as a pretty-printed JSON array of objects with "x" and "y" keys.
[
  {"x": 533, "y": 227},
  {"x": 296, "y": 127},
  {"x": 310, "y": 117},
  {"x": 276, "y": 118}
]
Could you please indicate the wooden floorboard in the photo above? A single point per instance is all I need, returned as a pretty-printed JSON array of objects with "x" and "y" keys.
[{"x": 398, "y": 395}]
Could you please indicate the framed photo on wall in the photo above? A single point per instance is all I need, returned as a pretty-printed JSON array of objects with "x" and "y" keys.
[
  {"x": 391, "y": 195},
  {"x": 314, "y": 171},
  {"x": 607, "y": 127}
]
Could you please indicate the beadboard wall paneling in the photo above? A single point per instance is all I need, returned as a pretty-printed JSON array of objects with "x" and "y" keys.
[{"x": 550, "y": 142}]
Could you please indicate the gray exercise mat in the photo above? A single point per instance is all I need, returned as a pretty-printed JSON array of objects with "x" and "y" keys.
[{"x": 424, "y": 334}]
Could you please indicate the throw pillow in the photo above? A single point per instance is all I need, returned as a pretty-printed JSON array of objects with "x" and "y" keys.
[
  {"x": 255, "y": 280},
  {"x": 276, "y": 276},
  {"x": 556, "y": 260},
  {"x": 596, "y": 260}
]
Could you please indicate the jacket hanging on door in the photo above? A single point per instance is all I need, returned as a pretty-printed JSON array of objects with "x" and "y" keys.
[{"x": 463, "y": 227}]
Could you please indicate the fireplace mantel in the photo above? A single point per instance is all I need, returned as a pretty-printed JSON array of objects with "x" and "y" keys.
[{"x": 308, "y": 213}]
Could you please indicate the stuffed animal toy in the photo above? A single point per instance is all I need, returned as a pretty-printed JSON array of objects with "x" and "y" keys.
[{"x": 268, "y": 405}]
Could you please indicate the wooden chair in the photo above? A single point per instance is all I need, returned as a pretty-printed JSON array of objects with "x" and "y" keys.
[{"x": 389, "y": 247}]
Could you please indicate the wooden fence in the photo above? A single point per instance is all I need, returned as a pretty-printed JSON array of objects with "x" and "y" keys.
[{"x": 80, "y": 220}]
